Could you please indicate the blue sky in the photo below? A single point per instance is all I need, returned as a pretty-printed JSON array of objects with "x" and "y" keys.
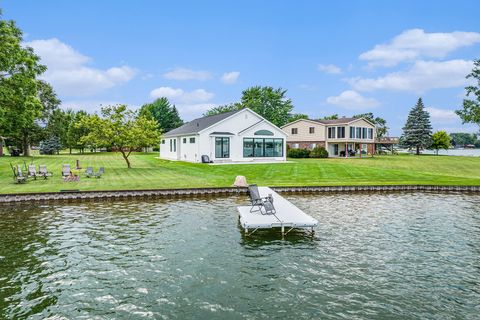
[{"x": 342, "y": 57}]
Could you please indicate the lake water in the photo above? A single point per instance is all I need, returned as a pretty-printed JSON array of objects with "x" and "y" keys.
[
  {"x": 455, "y": 152},
  {"x": 374, "y": 256}
]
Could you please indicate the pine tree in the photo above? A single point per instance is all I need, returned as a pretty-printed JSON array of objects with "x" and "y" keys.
[{"x": 417, "y": 132}]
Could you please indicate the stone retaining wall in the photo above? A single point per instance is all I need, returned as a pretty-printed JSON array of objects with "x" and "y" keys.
[{"x": 166, "y": 193}]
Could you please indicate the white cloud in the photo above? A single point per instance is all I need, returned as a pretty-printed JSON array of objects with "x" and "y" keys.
[
  {"x": 422, "y": 76},
  {"x": 187, "y": 74},
  {"x": 352, "y": 100},
  {"x": 230, "y": 77},
  {"x": 329, "y": 68},
  {"x": 416, "y": 44},
  {"x": 180, "y": 96},
  {"x": 68, "y": 71},
  {"x": 442, "y": 115}
]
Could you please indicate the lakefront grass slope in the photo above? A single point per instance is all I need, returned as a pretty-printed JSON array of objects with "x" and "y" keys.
[{"x": 150, "y": 172}]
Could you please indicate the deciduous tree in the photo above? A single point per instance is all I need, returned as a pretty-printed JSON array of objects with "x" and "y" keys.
[
  {"x": 121, "y": 129},
  {"x": 380, "y": 123},
  {"x": 440, "y": 140},
  {"x": 470, "y": 113}
]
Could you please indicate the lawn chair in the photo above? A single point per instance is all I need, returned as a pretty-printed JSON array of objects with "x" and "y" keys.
[
  {"x": 19, "y": 177},
  {"x": 100, "y": 172},
  {"x": 66, "y": 170},
  {"x": 266, "y": 202},
  {"x": 32, "y": 171},
  {"x": 42, "y": 171},
  {"x": 89, "y": 172}
]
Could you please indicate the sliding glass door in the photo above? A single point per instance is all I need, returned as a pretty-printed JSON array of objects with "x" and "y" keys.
[{"x": 222, "y": 147}]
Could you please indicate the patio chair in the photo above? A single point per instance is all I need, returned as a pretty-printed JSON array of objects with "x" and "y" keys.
[
  {"x": 32, "y": 171},
  {"x": 20, "y": 178},
  {"x": 100, "y": 172},
  {"x": 266, "y": 202},
  {"x": 66, "y": 170},
  {"x": 89, "y": 172},
  {"x": 42, "y": 171}
]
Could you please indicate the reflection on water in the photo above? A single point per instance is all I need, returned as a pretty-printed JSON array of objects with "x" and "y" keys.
[{"x": 402, "y": 255}]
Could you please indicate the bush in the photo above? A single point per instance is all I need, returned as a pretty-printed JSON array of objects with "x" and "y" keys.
[
  {"x": 50, "y": 146},
  {"x": 319, "y": 152},
  {"x": 156, "y": 149},
  {"x": 298, "y": 153}
]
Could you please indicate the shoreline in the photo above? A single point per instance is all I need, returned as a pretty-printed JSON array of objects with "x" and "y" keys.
[{"x": 74, "y": 195}]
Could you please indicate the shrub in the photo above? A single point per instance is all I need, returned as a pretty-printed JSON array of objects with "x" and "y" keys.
[
  {"x": 319, "y": 152},
  {"x": 298, "y": 153},
  {"x": 50, "y": 146}
]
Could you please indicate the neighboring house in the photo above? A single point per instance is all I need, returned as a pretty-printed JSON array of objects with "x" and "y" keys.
[
  {"x": 236, "y": 136},
  {"x": 336, "y": 136}
]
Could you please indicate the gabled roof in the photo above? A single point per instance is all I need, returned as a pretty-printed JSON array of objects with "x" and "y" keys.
[
  {"x": 333, "y": 121},
  {"x": 337, "y": 121},
  {"x": 197, "y": 125}
]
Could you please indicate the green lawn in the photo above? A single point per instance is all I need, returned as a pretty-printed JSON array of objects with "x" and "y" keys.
[{"x": 149, "y": 172}]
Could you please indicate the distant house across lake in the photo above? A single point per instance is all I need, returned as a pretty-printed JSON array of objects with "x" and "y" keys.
[
  {"x": 340, "y": 137},
  {"x": 236, "y": 136}
]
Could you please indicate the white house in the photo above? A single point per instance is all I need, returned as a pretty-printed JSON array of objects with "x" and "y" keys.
[{"x": 236, "y": 136}]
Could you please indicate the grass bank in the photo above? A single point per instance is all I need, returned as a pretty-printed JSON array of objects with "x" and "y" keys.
[{"x": 149, "y": 172}]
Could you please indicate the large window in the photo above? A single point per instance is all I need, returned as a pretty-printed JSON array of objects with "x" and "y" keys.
[
  {"x": 331, "y": 132},
  {"x": 352, "y": 132},
  {"x": 340, "y": 132},
  {"x": 370, "y": 133},
  {"x": 173, "y": 145},
  {"x": 247, "y": 148},
  {"x": 364, "y": 133},
  {"x": 358, "y": 131},
  {"x": 259, "y": 147},
  {"x": 222, "y": 147}
]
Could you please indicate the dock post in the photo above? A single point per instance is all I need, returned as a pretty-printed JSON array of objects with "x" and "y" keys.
[{"x": 283, "y": 230}]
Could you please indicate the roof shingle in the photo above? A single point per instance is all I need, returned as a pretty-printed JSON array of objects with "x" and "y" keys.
[{"x": 199, "y": 124}]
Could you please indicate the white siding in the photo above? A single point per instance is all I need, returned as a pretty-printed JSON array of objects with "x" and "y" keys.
[{"x": 241, "y": 125}]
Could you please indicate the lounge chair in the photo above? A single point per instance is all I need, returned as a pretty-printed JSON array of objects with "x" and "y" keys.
[
  {"x": 32, "y": 171},
  {"x": 19, "y": 177},
  {"x": 89, "y": 172},
  {"x": 266, "y": 202},
  {"x": 42, "y": 171},
  {"x": 66, "y": 170},
  {"x": 100, "y": 172}
]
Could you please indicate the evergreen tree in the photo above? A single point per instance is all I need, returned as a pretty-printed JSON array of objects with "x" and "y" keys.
[
  {"x": 50, "y": 146},
  {"x": 417, "y": 132},
  {"x": 163, "y": 112}
]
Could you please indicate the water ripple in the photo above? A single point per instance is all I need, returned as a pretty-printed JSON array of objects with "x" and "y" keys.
[{"x": 374, "y": 256}]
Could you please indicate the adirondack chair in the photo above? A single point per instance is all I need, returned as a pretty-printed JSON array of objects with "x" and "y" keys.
[
  {"x": 66, "y": 170},
  {"x": 89, "y": 172},
  {"x": 32, "y": 171},
  {"x": 18, "y": 175},
  {"x": 42, "y": 170},
  {"x": 100, "y": 172}
]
